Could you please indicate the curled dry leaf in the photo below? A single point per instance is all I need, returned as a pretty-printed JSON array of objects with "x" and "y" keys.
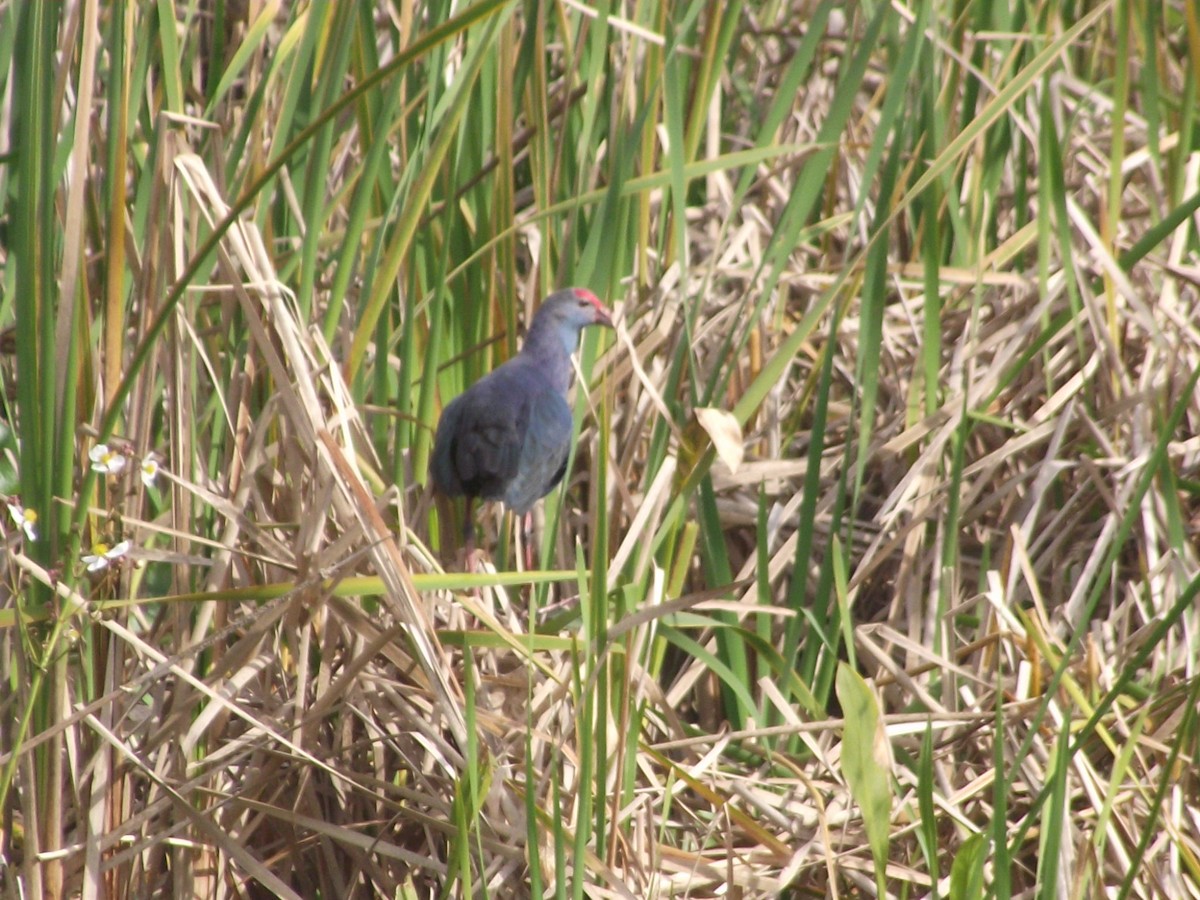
[{"x": 725, "y": 432}]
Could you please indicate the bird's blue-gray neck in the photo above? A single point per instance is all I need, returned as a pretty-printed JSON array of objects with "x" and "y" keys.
[{"x": 550, "y": 344}]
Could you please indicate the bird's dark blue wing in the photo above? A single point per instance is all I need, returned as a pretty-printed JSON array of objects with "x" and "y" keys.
[
  {"x": 441, "y": 464},
  {"x": 484, "y": 428}
]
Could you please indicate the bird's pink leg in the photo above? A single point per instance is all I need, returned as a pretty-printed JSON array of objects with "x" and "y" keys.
[
  {"x": 470, "y": 561},
  {"x": 527, "y": 536}
]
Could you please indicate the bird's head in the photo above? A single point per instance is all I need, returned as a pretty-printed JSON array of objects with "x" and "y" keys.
[
  {"x": 574, "y": 308},
  {"x": 560, "y": 319}
]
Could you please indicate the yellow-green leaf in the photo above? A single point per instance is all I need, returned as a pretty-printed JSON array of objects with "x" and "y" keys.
[{"x": 866, "y": 761}]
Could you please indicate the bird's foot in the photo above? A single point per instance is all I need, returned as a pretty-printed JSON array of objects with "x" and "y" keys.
[{"x": 473, "y": 561}]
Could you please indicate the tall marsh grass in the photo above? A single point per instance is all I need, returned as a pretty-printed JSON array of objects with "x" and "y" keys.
[{"x": 875, "y": 573}]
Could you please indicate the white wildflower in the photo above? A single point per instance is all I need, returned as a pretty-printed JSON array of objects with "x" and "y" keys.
[
  {"x": 106, "y": 460},
  {"x": 102, "y": 556},
  {"x": 26, "y": 519},
  {"x": 149, "y": 469}
]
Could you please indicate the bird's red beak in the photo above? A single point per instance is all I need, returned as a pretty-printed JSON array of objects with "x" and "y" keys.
[{"x": 603, "y": 313}]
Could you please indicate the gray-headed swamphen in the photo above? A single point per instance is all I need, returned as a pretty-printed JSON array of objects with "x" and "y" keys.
[{"x": 507, "y": 437}]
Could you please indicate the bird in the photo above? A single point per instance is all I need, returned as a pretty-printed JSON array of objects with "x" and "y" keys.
[{"x": 507, "y": 437}]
